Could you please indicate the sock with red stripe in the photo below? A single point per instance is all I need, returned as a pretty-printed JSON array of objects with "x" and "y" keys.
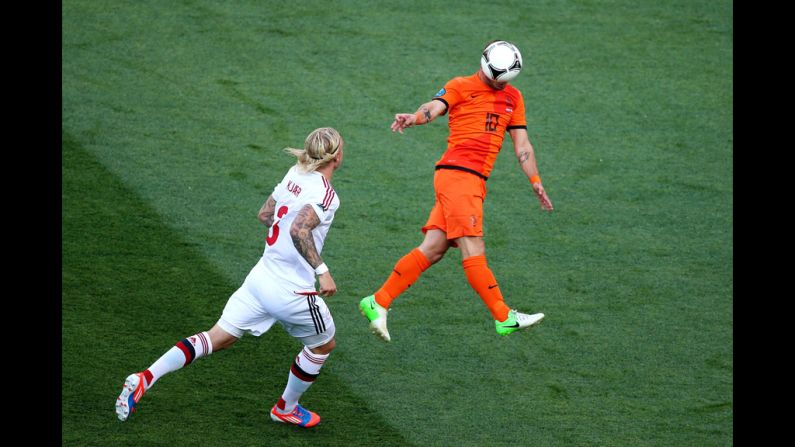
[
  {"x": 305, "y": 369},
  {"x": 184, "y": 353},
  {"x": 483, "y": 281},
  {"x": 407, "y": 270}
]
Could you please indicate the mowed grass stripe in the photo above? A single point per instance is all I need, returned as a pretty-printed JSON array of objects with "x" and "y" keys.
[
  {"x": 630, "y": 112},
  {"x": 131, "y": 288}
]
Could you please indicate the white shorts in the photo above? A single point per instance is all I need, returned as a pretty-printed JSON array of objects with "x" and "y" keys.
[{"x": 263, "y": 300}]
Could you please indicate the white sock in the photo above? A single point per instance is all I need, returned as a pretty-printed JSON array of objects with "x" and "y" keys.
[
  {"x": 185, "y": 352},
  {"x": 303, "y": 373}
]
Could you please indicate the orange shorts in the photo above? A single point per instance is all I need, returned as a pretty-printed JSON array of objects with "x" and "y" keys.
[{"x": 458, "y": 210}]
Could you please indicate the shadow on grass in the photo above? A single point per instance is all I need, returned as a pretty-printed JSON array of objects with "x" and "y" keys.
[{"x": 131, "y": 288}]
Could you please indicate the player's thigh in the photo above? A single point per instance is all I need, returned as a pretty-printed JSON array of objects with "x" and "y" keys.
[
  {"x": 461, "y": 197},
  {"x": 303, "y": 313},
  {"x": 244, "y": 314},
  {"x": 307, "y": 317}
]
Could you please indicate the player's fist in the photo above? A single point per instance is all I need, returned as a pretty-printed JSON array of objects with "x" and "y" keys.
[{"x": 327, "y": 285}]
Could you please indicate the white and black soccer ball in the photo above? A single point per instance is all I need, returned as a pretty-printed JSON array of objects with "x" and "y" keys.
[{"x": 501, "y": 61}]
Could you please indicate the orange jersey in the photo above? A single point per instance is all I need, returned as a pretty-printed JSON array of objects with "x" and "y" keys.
[{"x": 479, "y": 118}]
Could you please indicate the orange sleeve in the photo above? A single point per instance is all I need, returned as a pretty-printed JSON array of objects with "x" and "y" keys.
[
  {"x": 450, "y": 94},
  {"x": 518, "y": 118}
]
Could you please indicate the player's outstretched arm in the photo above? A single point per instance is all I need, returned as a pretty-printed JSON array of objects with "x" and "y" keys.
[
  {"x": 527, "y": 161},
  {"x": 304, "y": 242},
  {"x": 425, "y": 114}
]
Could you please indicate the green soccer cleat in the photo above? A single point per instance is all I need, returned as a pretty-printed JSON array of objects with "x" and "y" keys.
[
  {"x": 517, "y": 320},
  {"x": 377, "y": 316}
]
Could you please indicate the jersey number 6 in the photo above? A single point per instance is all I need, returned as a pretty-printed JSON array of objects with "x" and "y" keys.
[{"x": 274, "y": 233}]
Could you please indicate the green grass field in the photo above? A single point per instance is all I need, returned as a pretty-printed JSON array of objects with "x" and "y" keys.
[{"x": 174, "y": 116}]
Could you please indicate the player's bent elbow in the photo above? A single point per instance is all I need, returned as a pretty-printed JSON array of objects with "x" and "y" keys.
[{"x": 295, "y": 231}]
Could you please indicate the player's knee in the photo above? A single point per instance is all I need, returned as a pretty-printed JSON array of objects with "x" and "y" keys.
[
  {"x": 325, "y": 349},
  {"x": 435, "y": 256},
  {"x": 471, "y": 246},
  {"x": 434, "y": 252},
  {"x": 220, "y": 339}
]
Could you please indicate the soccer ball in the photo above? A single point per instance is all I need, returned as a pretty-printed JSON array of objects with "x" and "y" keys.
[{"x": 501, "y": 61}]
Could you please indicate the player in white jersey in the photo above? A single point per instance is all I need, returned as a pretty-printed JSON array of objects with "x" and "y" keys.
[{"x": 279, "y": 288}]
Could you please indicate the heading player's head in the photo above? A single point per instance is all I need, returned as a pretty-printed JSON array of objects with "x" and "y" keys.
[
  {"x": 322, "y": 147},
  {"x": 500, "y": 62}
]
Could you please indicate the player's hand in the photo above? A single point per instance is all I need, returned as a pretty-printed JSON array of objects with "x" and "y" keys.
[
  {"x": 327, "y": 286},
  {"x": 546, "y": 204},
  {"x": 402, "y": 121}
]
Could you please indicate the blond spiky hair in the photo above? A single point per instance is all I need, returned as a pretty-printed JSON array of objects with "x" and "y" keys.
[{"x": 320, "y": 148}]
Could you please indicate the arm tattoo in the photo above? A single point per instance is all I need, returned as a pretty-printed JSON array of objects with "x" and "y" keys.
[
  {"x": 301, "y": 234},
  {"x": 427, "y": 114},
  {"x": 523, "y": 157},
  {"x": 267, "y": 211}
]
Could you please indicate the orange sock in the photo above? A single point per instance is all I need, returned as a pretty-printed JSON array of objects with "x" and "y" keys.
[
  {"x": 406, "y": 271},
  {"x": 482, "y": 280}
]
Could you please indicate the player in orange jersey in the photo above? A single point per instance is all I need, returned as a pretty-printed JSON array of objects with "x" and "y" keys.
[{"x": 482, "y": 109}]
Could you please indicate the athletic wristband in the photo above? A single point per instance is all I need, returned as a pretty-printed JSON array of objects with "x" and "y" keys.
[
  {"x": 321, "y": 269},
  {"x": 419, "y": 116},
  {"x": 535, "y": 179}
]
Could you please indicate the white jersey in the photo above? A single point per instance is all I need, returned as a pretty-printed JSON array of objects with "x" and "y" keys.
[{"x": 296, "y": 190}]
